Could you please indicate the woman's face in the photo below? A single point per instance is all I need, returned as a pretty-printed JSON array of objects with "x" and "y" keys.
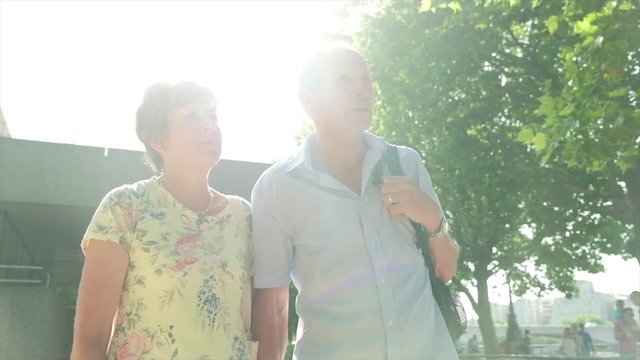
[{"x": 192, "y": 136}]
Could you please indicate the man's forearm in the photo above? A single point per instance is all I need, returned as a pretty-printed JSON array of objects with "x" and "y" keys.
[
  {"x": 272, "y": 340},
  {"x": 270, "y": 322}
]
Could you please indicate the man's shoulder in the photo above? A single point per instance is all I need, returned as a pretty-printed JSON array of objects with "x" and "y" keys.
[
  {"x": 408, "y": 153},
  {"x": 275, "y": 175},
  {"x": 280, "y": 168}
]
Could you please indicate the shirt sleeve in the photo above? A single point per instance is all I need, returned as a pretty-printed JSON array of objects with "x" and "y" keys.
[
  {"x": 273, "y": 249},
  {"x": 113, "y": 220}
]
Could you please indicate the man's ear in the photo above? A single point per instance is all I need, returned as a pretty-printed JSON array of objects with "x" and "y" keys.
[{"x": 304, "y": 95}]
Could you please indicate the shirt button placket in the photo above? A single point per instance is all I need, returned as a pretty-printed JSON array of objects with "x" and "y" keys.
[{"x": 385, "y": 296}]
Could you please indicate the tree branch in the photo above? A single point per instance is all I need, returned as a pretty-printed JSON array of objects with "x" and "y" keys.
[{"x": 467, "y": 293}]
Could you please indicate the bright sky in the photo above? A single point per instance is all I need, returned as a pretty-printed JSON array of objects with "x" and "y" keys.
[
  {"x": 74, "y": 72},
  {"x": 620, "y": 277}
]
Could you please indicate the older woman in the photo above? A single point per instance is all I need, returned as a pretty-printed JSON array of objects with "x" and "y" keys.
[{"x": 167, "y": 259}]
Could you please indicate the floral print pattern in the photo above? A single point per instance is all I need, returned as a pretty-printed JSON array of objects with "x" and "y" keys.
[
  {"x": 134, "y": 346},
  {"x": 181, "y": 297},
  {"x": 208, "y": 302}
]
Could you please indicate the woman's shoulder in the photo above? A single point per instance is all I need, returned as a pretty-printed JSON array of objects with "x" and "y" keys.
[
  {"x": 130, "y": 192},
  {"x": 241, "y": 209},
  {"x": 239, "y": 200}
]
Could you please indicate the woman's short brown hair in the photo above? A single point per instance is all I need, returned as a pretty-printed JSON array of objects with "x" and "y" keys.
[{"x": 159, "y": 100}]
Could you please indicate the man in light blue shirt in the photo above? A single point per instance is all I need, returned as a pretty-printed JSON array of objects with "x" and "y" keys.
[{"x": 327, "y": 220}]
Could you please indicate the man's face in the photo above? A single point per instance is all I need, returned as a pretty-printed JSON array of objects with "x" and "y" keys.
[{"x": 343, "y": 100}]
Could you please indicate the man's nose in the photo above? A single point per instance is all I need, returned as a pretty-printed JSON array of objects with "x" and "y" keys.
[{"x": 363, "y": 89}]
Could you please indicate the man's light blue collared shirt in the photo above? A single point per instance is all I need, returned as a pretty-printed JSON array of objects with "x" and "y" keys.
[{"x": 364, "y": 292}]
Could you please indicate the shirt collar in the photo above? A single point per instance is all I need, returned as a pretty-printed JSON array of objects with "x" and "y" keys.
[{"x": 302, "y": 157}]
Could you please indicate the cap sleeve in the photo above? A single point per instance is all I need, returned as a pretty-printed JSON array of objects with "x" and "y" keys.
[{"x": 113, "y": 221}]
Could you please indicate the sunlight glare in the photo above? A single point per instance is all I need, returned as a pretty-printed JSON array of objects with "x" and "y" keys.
[{"x": 74, "y": 72}]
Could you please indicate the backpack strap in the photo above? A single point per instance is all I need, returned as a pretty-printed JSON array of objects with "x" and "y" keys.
[{"x": 391, "y": 159}]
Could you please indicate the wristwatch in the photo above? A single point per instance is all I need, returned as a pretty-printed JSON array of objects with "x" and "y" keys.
[{"x": 441, "y": 231}]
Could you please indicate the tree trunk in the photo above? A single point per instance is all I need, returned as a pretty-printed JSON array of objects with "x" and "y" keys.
[
  {"x": 485, "y": 319},
  {"x": 632, "y": 182}
]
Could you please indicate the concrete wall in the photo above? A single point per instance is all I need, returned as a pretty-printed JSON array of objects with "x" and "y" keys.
[
  {"x": 33, "y": 324},
  {"x": 61, "y": 174}
]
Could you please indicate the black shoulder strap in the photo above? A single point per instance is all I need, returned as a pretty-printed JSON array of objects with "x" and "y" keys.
[{"x": 391, "y": 159}]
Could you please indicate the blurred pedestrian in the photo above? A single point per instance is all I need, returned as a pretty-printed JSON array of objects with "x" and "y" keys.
[
  {"x": 626, "y": 332},
  {"x": 568, "y": 344}
]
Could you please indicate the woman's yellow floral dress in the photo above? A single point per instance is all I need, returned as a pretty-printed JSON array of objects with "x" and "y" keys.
[{"x": 182, "y": 294}]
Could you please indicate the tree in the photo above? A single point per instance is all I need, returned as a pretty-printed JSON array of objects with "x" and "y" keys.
[
  {"x": 456, "y": 85},
  {"x": 514, "y": 341},
  {"x": 589, "y": 116}
]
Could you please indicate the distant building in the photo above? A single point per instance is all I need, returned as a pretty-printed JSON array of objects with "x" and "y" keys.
[
  {"x": 534, "y": 312},
  {"x": 587, "y": 303},
  {"x": 555, "y": 311},
  {"x": 500, "y": 312}
]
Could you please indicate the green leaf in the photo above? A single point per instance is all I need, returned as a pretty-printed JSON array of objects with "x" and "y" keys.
[
  {"x": 597, "y": 165},
  {"x": 552, "y": 24},
  {"x": 566, "y": 111},
  {"x": 626, "y": 6},
  {"x": 425, "y": 5},
  {"x": 585, "y": 27},
  {"x": 525, "y": 135},
  {"x": 455, "y": 6},
  {"x": 547, "y": 105},
  {"x": 547, "y": 154},
  {"x": 618, "y": 92},
  {"x": 540, "y": 141},
  {"x": 571, "y": 68},
  {"x": 588, "y": 41},
  {"x": 570, "y": 154}
]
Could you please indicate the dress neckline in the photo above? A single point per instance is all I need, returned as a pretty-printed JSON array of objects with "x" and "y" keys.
[{"x": 181, "y": 207}]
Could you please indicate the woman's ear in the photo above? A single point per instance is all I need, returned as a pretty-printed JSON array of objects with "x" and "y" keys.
[{"x": 157, "y": 143}]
